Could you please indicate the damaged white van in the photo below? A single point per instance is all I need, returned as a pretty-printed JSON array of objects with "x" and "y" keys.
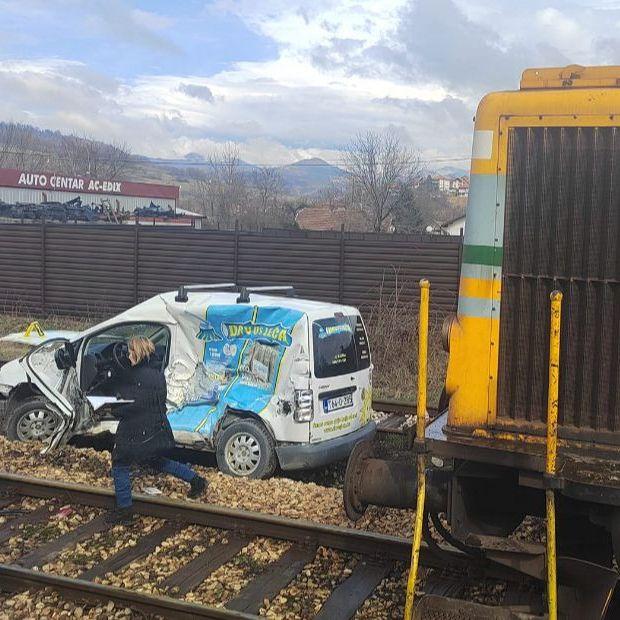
[{"x": 257, "y": 375}]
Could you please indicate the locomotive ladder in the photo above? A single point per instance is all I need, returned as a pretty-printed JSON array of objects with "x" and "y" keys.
[
  {"x": 550, "y": 479},
  {"x": 419, "y": 445}
]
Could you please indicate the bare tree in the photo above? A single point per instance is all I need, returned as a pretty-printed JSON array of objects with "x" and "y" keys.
[
  {"x": 226, "y": 184},
  {"x": 226, "y": 192},
  {"x": 8, "y": 143},
  {"x": 380, "y": 169},
  {"x": 335, "y": 194},
  {"x": 21, "y": 147},
  {"x": 81, "y": 155},
  {"x": 204, "y": 194},
  {"x": 268, "y": 185}
]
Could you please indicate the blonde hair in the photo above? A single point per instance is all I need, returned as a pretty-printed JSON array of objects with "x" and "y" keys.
[{"x": 140, "y": 348}]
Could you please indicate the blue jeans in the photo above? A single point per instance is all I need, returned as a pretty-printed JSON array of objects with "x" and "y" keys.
[{"x": 122, "y": 477}]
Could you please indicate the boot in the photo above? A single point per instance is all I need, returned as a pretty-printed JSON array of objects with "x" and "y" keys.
[
  {"x": 197, "y": 487},
  {"x": 120, "y": 516}
]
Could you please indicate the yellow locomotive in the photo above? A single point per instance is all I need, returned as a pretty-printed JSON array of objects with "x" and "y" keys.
[{"x": 543, "y": 215}]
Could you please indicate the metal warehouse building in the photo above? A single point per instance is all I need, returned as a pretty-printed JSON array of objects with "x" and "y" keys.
[{"x": 36, "y": 187}]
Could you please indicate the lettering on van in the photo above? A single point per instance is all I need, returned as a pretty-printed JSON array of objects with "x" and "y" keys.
[
  {"x": 258, "y": 331},
  {"x": 334, "y": 425},
  {"x": 331, "y": 330}
]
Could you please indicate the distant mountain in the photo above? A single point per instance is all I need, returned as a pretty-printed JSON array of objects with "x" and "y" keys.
[
  {"x": 309, "y": 175},
  {"x": 303, "y": 178},
  {"x": 194, "y": 157},
  {"x": 40, "y": 149},
  {"x": 452, "y": 172}
]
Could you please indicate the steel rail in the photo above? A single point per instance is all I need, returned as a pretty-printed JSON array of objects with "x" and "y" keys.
[
  {"x": 378, "y": 550},
  {"x": 246, "y": 523},
  {"x": 15, "y": 578},
  {"x": 397, "y": 409},
  {"x": 241, "y": 521},
  {"x": 403, "y": 407}
]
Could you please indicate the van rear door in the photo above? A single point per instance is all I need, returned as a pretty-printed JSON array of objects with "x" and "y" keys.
[{"x": 342, "y": 376}]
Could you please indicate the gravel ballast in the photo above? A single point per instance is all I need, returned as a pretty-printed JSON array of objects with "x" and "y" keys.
[
  {"x": 279, "y": 496},
  {"x": 296, "y": 499}
]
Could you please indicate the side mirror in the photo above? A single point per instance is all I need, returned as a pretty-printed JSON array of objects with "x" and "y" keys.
[{"x": 65, "y": 357}]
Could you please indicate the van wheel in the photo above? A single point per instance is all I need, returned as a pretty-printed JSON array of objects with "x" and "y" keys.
[
  {"x": 32, "y": 420},
  {"x": 246, "y": 449}
]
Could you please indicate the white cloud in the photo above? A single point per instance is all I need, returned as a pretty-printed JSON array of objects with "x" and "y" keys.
[
  {"x": 152, "y": 21},
  {"x": 142, "y": 28},
  {"x": 199, "y": 91},
  {"x": 564, "y": 33},
  {"x": 307, "y": 23},
  {"x": 418, "y": 66}
]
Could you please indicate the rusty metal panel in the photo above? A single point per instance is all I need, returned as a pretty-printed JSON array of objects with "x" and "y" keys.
[
  {"x": 20, "y": 268},
  {"x": 88, "y": 269},
  {"x": 310, "y": 264},
  {"x": 101, "y": 269},
  {"x": 169, "y": 257},
  {"x": 562, "y": 231},
  {"x": 392, "y": 267}
]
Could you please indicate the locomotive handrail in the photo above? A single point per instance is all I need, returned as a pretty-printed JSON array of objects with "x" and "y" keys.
[
  {"x": 552, "y": 450},
  {"x": 419, "y": 445}
]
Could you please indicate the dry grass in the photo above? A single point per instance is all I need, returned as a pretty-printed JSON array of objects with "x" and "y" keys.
[
  {"x": 393, "y": 333},
  {"x": 18, "y": 322}
]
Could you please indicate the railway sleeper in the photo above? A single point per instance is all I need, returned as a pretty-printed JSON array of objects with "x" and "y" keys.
[
  {"x": 434, "y": 607},
  {"x": 378, "y": 553},
  {"x": 343, "y": 602}
]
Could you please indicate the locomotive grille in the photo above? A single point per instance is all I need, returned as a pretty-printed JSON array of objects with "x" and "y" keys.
[{"x": 562, "y": 231}]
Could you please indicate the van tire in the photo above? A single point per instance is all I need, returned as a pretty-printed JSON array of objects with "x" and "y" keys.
[
  {"x": 236, "y": 446},
  {"x": 17, "y": 420}
]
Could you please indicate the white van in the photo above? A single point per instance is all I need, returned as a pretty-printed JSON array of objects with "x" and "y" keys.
[{"x": 260, "y": 378}]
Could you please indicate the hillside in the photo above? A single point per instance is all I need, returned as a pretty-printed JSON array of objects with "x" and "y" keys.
[
  {"x": 452, "y": 172},
  {"x": 308, "y": 176},
  {"x": 30, "y": 148},
  {"x": 302, "y": 178}
]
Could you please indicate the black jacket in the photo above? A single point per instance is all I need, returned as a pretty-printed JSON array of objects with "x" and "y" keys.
[{"x": 143, "y": 431}]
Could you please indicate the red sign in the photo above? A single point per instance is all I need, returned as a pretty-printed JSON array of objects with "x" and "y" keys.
[{"x": 86, "y": 185}]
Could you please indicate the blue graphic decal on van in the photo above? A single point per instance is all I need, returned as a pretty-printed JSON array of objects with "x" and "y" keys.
[
  {"x": 243, "y": 350},
  {"x": 207, "y": 332}
]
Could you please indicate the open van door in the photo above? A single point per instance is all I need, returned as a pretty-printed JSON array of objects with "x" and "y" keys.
[{"x": 62, "y": 389}]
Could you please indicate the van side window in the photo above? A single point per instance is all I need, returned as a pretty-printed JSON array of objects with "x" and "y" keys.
[
  {"x": 101, "y": 343},
  {"x": 98, "y": 364},
  {"x": 340, "y": 346}
]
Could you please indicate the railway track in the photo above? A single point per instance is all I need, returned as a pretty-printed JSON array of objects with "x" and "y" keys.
[
  {"x": 375, "y": 556},
  {"x": 398, "y": 415}
]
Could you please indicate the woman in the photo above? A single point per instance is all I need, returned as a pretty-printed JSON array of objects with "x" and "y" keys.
[{"x": 143, "y": 435}]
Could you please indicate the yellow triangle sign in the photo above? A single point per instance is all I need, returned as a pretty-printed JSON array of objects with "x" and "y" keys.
[{"x": 34, "y": 327}]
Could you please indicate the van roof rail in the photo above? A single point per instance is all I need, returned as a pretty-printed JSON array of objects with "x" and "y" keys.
[
  {"x": 244, "y": 292},
  {"x": 184, "y": 289}
]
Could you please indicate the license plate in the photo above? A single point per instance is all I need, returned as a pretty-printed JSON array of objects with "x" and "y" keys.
[{"x": 338, "y": 402}]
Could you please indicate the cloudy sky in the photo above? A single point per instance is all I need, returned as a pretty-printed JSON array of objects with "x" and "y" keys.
[{"x": 284, "y": 79}]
